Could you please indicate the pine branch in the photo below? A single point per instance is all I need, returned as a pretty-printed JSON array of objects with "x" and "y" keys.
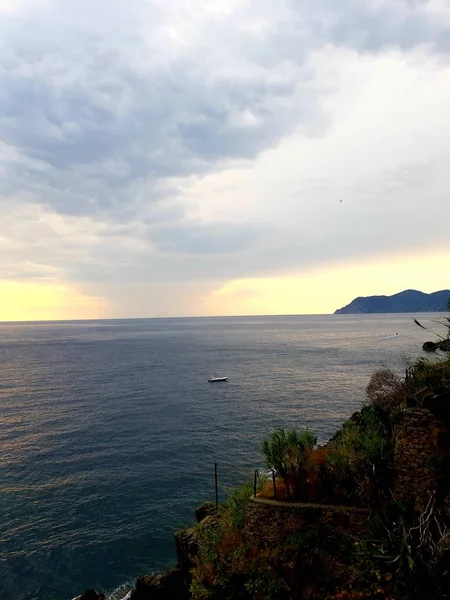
[{"x": 429, "y": 330}]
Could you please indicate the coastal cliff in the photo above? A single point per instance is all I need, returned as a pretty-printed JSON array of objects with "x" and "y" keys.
[
  {"x": 403, "y": 302},
  {"x": 366, "y": 515}
]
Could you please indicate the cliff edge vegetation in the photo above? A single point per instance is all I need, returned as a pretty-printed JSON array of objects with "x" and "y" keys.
[{"x": 366, "y": 515}]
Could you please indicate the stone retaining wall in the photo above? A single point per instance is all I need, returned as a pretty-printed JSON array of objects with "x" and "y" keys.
[
  {"x": 416, "y": 447},
  {"x": 271, "y": 520}
]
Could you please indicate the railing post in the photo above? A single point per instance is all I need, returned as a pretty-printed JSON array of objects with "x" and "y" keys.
[
  {"x": 254, "y": 483},
  {"x": 274, "y": 485},
  {"x": 217, "y": 487}
]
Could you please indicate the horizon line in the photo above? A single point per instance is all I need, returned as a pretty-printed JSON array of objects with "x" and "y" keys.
[
  {"x": 47, "y": 321},
  {"x": 28, "y": 321}
]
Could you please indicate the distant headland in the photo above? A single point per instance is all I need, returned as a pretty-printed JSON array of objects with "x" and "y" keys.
[{"x": 403, "y": 302}]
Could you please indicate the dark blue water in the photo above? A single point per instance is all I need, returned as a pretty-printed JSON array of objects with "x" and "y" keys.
[{"x": 109, "y": 430}]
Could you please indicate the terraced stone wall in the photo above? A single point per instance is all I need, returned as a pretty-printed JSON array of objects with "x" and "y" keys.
[{"x": 415, "y": 452}]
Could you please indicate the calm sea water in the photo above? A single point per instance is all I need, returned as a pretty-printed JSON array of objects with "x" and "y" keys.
[{"x": 109, "y": 430}]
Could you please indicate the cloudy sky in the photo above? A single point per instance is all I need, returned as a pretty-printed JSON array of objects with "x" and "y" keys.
[{"x": 189, "y": 157}]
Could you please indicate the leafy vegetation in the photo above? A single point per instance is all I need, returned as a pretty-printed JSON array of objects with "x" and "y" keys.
[
  {"x": 407, "y": 551},
  {"x": 386, "y": 391},
  {"x": 226, "y": 559},
  {"x": 288, "y": 454},
  {"x": 359, "y": 464},
  {"x": 238, "y": 499},
  {"x": 404, "y": 556},
  {"x": 430, "y": 377},
  {"x": 352, "y": 469}
]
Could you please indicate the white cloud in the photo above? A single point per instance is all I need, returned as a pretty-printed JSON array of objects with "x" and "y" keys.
[
  {"x": 385, "y": 155},
  {"x": 208, "y": 141}
]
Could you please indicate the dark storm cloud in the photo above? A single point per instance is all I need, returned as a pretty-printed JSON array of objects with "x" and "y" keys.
[
  {"x": 174, "y": 126},
  {"x": 106, "y": 106},
  {"x": 82, "y": 100}
]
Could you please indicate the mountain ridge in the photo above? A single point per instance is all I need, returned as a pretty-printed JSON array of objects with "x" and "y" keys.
[{"x": 402, "y": 302}]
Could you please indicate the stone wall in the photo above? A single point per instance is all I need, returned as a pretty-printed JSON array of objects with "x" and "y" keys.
[
  {"x": 271, "y": 521},
  {"x": 311, "y": 545},
  {"x": 416, "y": 447}
]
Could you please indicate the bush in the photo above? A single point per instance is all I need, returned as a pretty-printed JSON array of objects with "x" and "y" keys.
[
  {"x": 355, "y": 468},
  {"x": 359, "y": 462},
  {"x": 428, "y": 375},
  {"x": 386, "y": 390},
  {"x": 227, "y": 562},
  {"x": 263, "y": 583},
  {"x": 409, "y": 551},
  {"x": 238, "y": 499},
  {"x": 288, "y": 454}
]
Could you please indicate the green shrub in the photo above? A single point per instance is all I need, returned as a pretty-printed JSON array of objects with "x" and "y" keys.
[
  {"x": 428, "y": 375},
  {"x": 263, "y": 583},
  {"x": 199, "y": 591},
  {"x": 359, "y": 462},
  {"x": 223, "y": 553},
  {"x": 239, "y": 497},
  {"x": 288, "y": 454},
  {"x": 408, "y": 550}
]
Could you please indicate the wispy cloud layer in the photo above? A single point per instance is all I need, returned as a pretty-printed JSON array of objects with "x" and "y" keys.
[{"x": 209, "y": 141}]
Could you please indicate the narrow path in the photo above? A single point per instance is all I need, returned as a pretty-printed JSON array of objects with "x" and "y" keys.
[{"x": 283, "y": 504}]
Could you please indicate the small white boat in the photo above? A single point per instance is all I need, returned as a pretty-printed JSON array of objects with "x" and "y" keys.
[{"x": 212, "y": 379}]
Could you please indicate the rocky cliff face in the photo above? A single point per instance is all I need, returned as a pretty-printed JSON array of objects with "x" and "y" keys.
[
  {"x": 91, "y": 595},
  {"x": 162, "y": 586},
  {"x": 174, "y": 584}
]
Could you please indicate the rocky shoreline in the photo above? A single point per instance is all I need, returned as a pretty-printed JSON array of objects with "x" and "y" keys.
[{"x": 174, "y": 583}]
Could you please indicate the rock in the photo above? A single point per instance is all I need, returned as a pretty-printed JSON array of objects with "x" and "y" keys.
[
  {"x": 356, "y": 417},
  {"x": 91, "y": 595},
  {"x": 444, "y": 345},
  {"x": 186, "y": 544},
  {"x": 430, "y": 347},
  {"x": 170, "y": 585},
  {"x": 439, "y": 406},
  {"x": 173, "y": 584},
  {"x": 205, "y": 510}
]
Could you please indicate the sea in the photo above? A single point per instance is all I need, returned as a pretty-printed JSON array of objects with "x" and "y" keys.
[{"x": 109, "y": 430}]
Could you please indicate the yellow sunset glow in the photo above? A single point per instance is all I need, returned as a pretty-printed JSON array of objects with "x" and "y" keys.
[
  {"x": 36, "y": 302},
  {"x": 318, "y": 291},
  {"x": 323, "y": 291}
]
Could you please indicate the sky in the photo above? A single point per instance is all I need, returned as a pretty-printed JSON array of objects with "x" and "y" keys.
[{"x": 221, "y": 157}]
